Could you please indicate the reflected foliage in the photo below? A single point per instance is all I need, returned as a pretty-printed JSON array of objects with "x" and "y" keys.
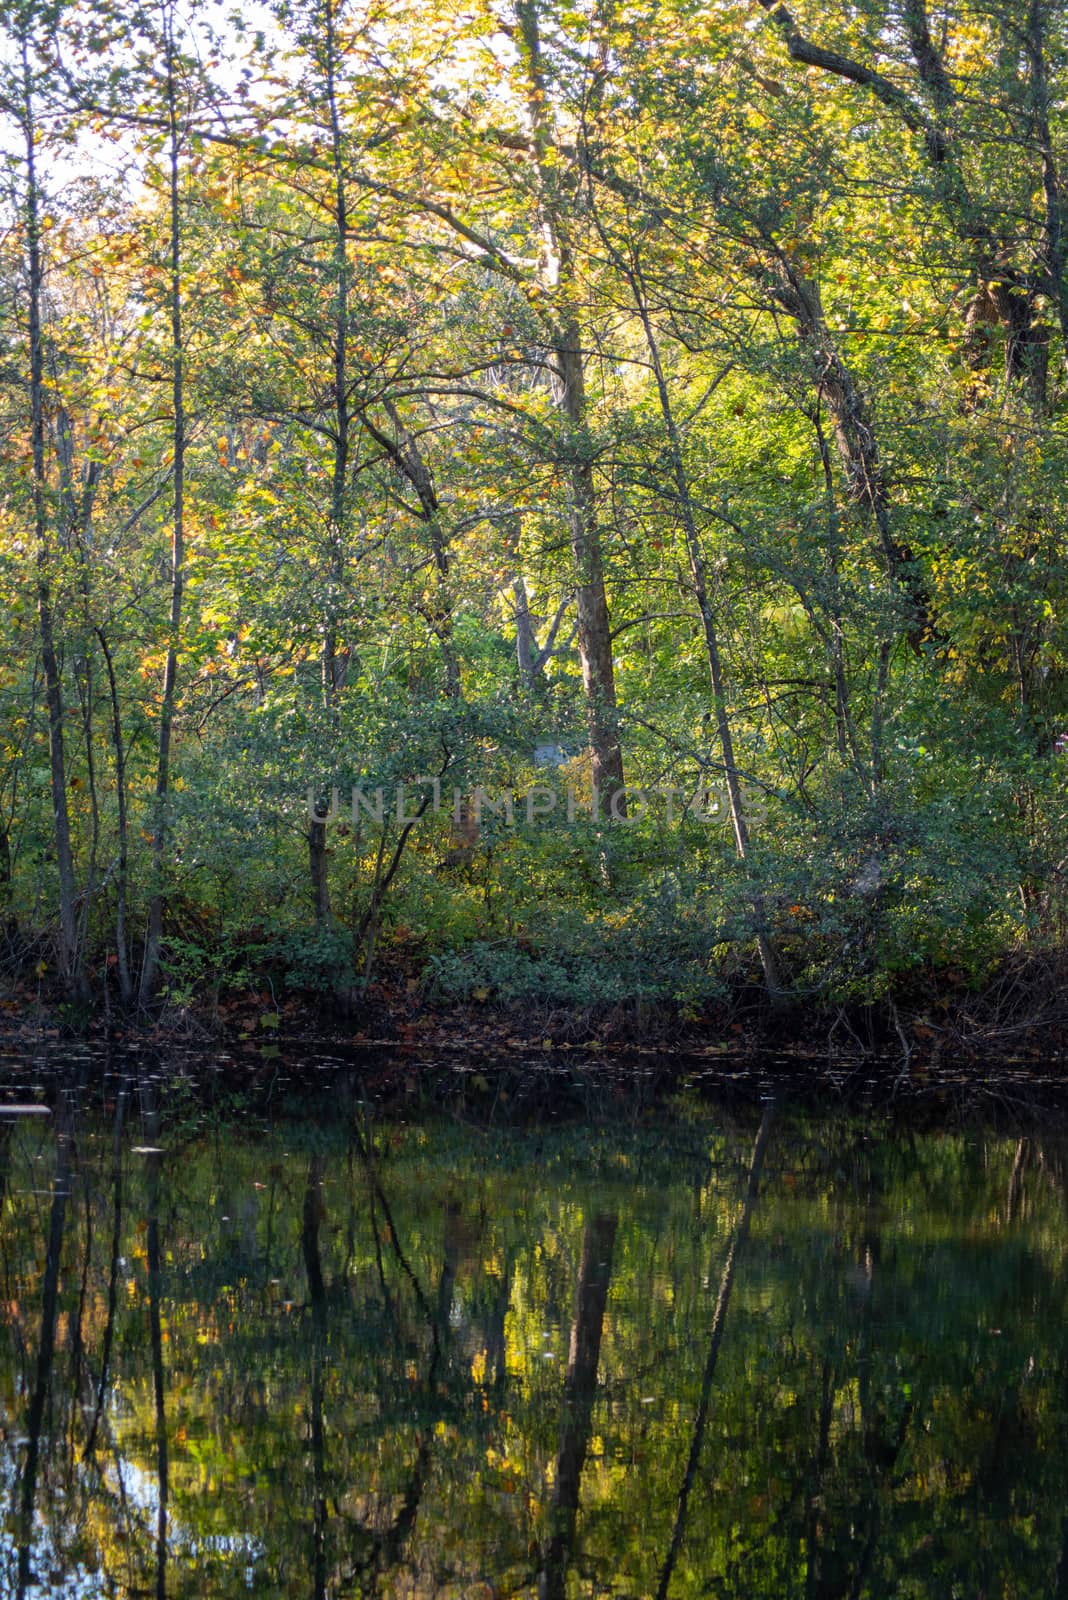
[{"x": 378, "y": 1358}]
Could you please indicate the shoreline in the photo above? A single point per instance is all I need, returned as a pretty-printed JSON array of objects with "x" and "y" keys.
[
  {"x": 1021, "y": 1009},
  {"x": 496, "y": 1065}
]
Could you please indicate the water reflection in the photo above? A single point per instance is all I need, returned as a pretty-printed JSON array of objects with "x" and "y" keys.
[{"x": 343, "y": 1357}]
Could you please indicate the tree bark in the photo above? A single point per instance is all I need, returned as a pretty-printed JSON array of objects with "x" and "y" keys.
[
  {"x": 556, "y": 273},
  {"x": 854, "y": 434},
  {"x": 126, "y": 985},
  {"x": 154, "y": 938},
  {"x": 334, "y": 664},
  {"x": 72, "y": 971},
  {"x": 594, "y": 630}
]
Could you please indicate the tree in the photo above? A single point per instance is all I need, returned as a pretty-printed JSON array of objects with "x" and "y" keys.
[
  {"x": 175, "y": 137},
  {"x": 28, "y": 39}
]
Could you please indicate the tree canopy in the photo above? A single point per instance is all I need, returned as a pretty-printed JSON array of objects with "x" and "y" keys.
[{"x": 426, "y": 399}]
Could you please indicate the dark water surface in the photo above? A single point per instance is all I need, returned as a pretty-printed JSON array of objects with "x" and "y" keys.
[{"x": 676, "y": 1353}]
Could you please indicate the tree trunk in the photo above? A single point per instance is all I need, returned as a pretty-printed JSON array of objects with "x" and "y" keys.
[
  {"x": 556, "y": 274},
  {"x": 1055, "y": 226},
  {"x": 594, "y": 631},
  {"x": 333, "y": 663},
  {"x": 154, "y": 939},
  {"x": 854, "y": 434},
  {"x": 126, "y": 986},
  {"x": 5, "y": 865},
  {"x": 833, "y": 633},
  {"x": 72, "y": 970},
  {"x": 526, "y": 644}
]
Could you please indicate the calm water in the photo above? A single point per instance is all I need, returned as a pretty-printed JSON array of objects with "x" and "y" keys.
[{"x": 682, "y": 1355}]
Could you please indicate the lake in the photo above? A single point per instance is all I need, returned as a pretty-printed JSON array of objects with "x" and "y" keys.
[{"x": 663, "y": 1348}]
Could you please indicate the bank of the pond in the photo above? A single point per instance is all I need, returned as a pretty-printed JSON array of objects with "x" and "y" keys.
[{"x": 933, "y": 1025}]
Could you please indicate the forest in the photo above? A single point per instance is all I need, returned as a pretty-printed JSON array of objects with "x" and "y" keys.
[{"x": 560, "y": 499}]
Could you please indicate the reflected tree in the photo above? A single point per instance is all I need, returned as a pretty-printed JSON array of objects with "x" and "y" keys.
[{"x": 580, "y": 1389}]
